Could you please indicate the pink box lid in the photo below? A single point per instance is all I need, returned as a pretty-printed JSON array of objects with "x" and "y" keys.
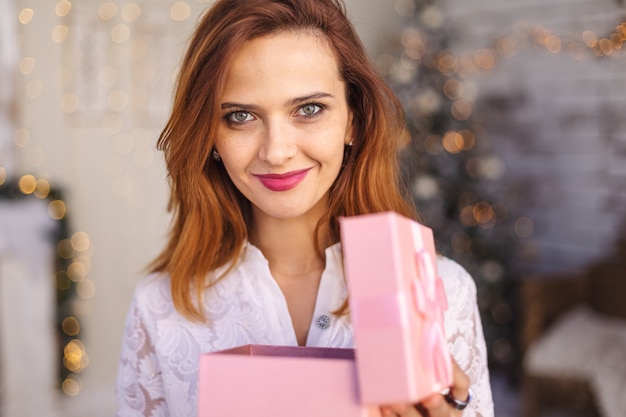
[{"x": 397, "y": 302}]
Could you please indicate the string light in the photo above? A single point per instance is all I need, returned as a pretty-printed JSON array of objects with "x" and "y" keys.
[
  {"x": 74, "y": 253},
  {"x": 485, "y": 59},
  {"x": 437, "y": 86},
  {"x": 137, "y": 149}
]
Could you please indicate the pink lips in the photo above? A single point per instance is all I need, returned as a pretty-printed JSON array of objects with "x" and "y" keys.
[{"x": 282, "y": 182}]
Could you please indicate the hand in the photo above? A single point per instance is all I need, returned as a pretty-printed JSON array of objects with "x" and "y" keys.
[{"x": 434, "y": 405}]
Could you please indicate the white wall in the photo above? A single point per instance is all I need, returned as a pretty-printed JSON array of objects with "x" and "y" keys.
[
  {"x": 102, "y": 151},
  {"x": 8, "y": 66},
  {"x": 103, "y": 155},
  {"x": 556, "y": 120}
]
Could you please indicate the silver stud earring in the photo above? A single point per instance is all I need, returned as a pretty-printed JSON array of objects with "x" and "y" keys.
[
  {"x": 351, "y": 142},
  {"x": 216, "y": 155}
]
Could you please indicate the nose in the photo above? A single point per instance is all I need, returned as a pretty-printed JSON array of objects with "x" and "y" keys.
[{"x": 279, "y": 143}]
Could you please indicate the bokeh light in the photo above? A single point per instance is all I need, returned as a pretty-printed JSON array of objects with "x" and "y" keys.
[
  {"x": 485, "y": 59},
  {"x": 34, "y": 88},
  {"x": 75, "y": 358},
  {"x": 80, "y": 241},
  {"x": 25, "y": 15},
  {"x": 62, "y": 8},
  {"x": 69, "y": 103},
  {"x": 524, "y": 227},
  {"x": 131, "y": 12},
  {"x": 453, "y": 142},
  {"x": 59, "y": 33},
  {"x": 42, "y": 188},
  {"x": 56, "y": 209},
  {"x": 461, "y": 109},
  {"x": 180, "y": 11},
  {"x": 107, "y": 10},
  {"x": 27, "y": 65},
  {"x": 27, "y": 184},
  {"x": 70, "y": 387},
  {"x": 70, "y": 326},
  {"x": 86, "y": 289},
  {"x": 405, "y": 7},
  {"x": 120, "y": 33},
  {"x": 65, "y": 249}
]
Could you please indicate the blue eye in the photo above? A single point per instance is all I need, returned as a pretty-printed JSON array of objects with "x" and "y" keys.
[
  {"x": 310, "y": 109},
  {"x": 239, "y": 116}
]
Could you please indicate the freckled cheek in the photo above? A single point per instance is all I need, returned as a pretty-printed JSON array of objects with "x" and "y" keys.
[
  {"x": 231, "y": 157},
  {"x": 236, "y": 152},
  {"x": 332, "y": 156},
  {"x": 235, "y": 165}
]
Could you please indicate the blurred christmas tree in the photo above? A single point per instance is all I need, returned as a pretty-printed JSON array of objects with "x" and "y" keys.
[{"x": 454, "y": 178}]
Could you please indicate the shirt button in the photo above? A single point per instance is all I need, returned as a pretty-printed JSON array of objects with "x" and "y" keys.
[{"x": 323, "y": 322}]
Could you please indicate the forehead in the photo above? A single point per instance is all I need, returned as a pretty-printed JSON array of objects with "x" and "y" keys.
[
  {"x": 286, "y": 60},
  {"x": 305, "y": 39}
]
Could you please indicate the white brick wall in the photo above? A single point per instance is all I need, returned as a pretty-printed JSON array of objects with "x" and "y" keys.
[{"x": 563, "y": 130}]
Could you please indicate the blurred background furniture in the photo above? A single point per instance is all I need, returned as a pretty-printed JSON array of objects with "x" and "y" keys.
[{"x": 574, "y": 341}]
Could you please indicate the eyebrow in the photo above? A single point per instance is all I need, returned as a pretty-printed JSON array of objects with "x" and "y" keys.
[
  {"x": 310, "y": 97},
  {"x": 290, "y": 102}
]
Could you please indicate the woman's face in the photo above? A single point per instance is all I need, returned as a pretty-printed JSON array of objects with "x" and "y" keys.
[{"x": 285, "y": 121}]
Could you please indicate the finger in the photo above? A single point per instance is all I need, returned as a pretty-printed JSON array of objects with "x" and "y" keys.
[
  {"x": 422, "y": 410},
  {"x": 386, "y": 411},
  {"x": 403, "y": 410},
  {"x": 437, "y": 405},
  {"x": 460, "y": 382}
]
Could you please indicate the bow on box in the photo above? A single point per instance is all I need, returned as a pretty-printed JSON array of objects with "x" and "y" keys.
[{"x": 397, "y": 303}]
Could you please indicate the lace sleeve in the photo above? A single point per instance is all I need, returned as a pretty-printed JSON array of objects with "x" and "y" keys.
[
  {"x": 465, "y": 335},
  {"x": 139, "y": 390}
]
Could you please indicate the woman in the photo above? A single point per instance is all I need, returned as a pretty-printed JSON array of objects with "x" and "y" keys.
[{"x": 279, "y": 126}]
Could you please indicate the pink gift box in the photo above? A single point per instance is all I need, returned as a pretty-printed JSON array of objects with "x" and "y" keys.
[
  {"x": 280, "y": 381},
  {"x": 397, "y": 302}
]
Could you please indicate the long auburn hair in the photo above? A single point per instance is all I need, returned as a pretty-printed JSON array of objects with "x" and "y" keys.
[{"x": 210, "y": 224}]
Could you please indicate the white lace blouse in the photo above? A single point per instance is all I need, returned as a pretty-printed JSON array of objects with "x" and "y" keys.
[{"x": 158, "y": 367}]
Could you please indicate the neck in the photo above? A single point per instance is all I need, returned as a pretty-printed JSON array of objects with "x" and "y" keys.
[
  {"x": 288, "y": 244},
  {"x": 295, "y": 262}
]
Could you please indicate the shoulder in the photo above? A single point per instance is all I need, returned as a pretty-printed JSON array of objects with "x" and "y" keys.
[
  {"x": 459, "y": 285},
  {"x": 153, "y": 284},
  {"x": 453, "y": 274},
  {"x": 153, "y": 295}
]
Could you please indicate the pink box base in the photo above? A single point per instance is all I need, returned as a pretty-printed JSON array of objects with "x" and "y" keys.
[{"x": 280, "y": 381}]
